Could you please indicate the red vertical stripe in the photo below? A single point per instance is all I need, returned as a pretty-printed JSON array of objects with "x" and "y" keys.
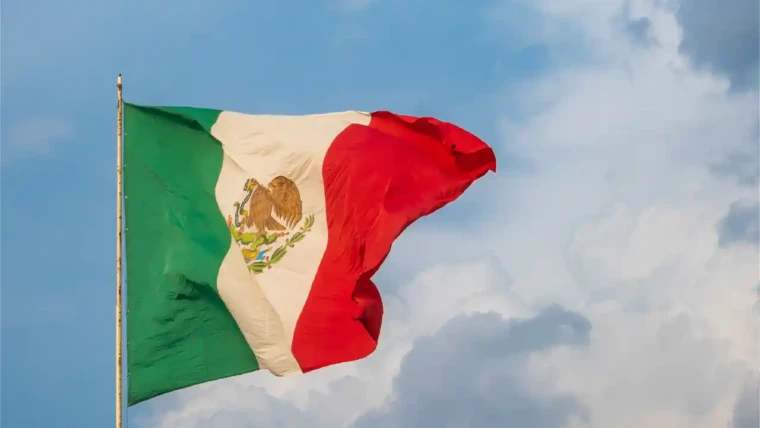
[{"x": 378, "y": 180}]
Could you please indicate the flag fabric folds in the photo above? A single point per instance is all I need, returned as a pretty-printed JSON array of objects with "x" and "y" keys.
[{"x": 251, "y": 240}]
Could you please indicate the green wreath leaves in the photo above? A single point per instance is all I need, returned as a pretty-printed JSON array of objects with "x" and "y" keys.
[{"x": 259, "y": 266}]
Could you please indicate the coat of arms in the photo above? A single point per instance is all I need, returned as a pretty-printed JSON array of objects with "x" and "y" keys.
[{"x": 263, "y": 217}]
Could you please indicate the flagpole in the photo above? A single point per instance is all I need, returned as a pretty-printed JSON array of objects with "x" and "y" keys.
[{"x": 119, "y": 174}]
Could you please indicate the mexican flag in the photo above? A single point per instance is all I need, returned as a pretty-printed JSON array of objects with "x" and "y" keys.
[{"x": 251, "y": 240}]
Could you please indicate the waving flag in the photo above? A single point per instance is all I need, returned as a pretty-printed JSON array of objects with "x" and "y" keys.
[{"x": 251, "y": 240}]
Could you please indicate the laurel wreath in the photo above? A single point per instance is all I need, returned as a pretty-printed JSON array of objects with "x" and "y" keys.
[{"x": 259, "y": 266}]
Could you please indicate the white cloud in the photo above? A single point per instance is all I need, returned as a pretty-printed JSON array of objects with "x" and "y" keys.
[
  {"x": 624, "y": 148},
  {"x": 36, "y": 136},
  {"x": 471, "y": 373},
  {"x": 335, "y": 396},
  {"x": 619, "y": 223}
]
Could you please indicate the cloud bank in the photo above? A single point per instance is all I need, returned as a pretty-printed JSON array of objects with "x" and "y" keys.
[{"x": 614, "y": 283}]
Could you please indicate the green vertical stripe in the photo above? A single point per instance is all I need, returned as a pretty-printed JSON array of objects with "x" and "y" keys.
[{"x": 179, "y": 332}]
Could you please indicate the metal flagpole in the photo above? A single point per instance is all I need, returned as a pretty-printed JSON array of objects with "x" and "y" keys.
[{"x": 119, "y": 174}]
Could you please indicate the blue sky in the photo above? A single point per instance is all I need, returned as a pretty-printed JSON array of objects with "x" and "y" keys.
[{"x": 615, "y": 125}]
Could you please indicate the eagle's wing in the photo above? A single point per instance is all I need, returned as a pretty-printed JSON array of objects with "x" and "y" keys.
[
  {"x": 260, "y": 208},
  {"x": 287, "y": 200}
]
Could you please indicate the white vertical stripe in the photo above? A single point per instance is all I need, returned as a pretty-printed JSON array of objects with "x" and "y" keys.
[{"x": 267, "y": 306}]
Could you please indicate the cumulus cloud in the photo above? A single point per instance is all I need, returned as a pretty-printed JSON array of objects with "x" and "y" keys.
[
  {"x": 336, "y": 396},
  {"x": 639, "y": 30},
  {"x": 741, "y": 224},
  {"x": 615, "y": 223},
  {"x": 741, "y": 165},
  {"x": 471, "y": 373},
  {"x": 36, "y": 136},
  {"x": 724, "y": 36},
  {"x": 747, "y": 408}
]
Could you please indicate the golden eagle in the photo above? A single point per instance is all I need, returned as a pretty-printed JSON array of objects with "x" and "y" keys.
[{"x": 280, "y": 195}]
